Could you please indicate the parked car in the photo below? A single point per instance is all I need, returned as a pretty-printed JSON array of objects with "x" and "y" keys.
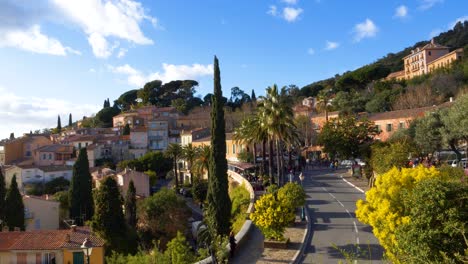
[
  {"x": 462, "y": 164},
  {"x": 346, "y": 163}
]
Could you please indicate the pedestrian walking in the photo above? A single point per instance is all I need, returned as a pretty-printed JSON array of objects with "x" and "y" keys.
[{"x": 232, "y": 243}]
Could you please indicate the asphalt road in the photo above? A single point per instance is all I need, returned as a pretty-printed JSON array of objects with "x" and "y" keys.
[{"x": 336, "y": 233}]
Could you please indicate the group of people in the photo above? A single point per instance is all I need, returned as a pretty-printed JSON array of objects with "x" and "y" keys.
[{"x": 426, "y": 162}]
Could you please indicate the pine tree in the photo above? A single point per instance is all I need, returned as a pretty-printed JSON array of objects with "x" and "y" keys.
[
  {"x": 14, "y": 207},
  {"x": 253, "y": 97},
  {"x": 2, "y": 195},
  {"x": 218, "y": 210},
  {"x": 59, "y": 124},
  {"x": 70, "y": 123},
  {"x": 126, "y": 130},
  {"x": 109, "y": 222},
  {"x": 80, "y": 194},
  {"x": 130, "y": 205}
]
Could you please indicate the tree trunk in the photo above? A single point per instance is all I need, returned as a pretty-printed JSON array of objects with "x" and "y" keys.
[
  {"x": 278, "y": 164},
  {"x": 454, "y": 149},
  {"x": 263, "y": 157},
  {"x": 175, "y": 173},
  {"x": 270, "y": 161}
]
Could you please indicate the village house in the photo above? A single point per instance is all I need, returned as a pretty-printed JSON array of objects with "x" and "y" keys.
[
  {"x": 21, "y": 149},
  {"x": 138, "y": 142},
  {"x": 50, "y": 246},
  {"x": 32, "y": 174},
  {"x": 426, "y": 59},
  {"x": 40, "y": 213},
  {"x": 55, "y": 154},
  {"x": 140, "y": 180},
  {"x": 131, "y": 118}
]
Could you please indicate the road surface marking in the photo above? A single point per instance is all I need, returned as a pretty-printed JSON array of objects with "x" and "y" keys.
[
  {"x": 357, "y": 188},
  {"x": 355, "y": 227}
]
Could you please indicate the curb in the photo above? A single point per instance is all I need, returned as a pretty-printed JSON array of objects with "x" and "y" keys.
[{"x": 300, "y": 253}]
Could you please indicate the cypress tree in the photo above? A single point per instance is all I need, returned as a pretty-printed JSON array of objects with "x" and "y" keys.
[
  {"x": 80, "y": 194},
  {"x": 59, "y": 124},
  {"x": 14, "y": 207},
  {"x": 253, "y": 97},
  {"x": 126, "y": 130},
  {"x": 218, "y": 210},
  {"x": 2, "y": 195},
  {"x": 109, "y": 220},
  {"x": 12, "y": 135},
  {"x": 130, "y": 205},
  {"x": 70, "y": 123}
]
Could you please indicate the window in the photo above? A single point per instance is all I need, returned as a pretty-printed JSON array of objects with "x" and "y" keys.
[
  {"x": 50, "y": 156},
  {"x": 28, "y": 153},
  {"x": 430, "y": 53},
  {"x": 378, "y": 128},
  {"x": 402, "y": 124},
  {"x": 233, "y": 149},
  {"x": 79, "y": 145},
  {"x": 44, "y": 156},
  {"x": 49, "y": 258},
  {"x": 389, "y": 127}
]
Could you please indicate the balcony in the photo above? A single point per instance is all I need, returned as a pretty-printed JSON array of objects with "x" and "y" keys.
[{"x": 155, "y": 138}]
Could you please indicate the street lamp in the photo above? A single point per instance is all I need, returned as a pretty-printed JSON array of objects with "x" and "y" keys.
[
  {"x": 87, "y": 248},
  {"x": 301, "y": 177}
]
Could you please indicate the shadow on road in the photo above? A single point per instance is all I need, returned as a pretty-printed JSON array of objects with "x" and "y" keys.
[{"x": 356, "y": 252}]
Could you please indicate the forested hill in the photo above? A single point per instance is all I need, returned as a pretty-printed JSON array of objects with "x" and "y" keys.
[{"x": 361, "y": 77}]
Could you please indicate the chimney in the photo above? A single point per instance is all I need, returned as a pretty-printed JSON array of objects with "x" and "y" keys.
[
  {"x": 73, "y": 228},
  {"x": 451, "y": 99},
  {"x": 67, "y": 238},
  {"x": 432, "y": 40}
]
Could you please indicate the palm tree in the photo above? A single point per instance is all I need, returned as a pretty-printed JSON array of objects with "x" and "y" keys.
[
  {"x": 245, "y": 134},
  {"x": 202, "y": 160},
  {"x": 174, "y": 151},
  {"x": 189, "y": 153},
  {"x": 324, "y": 100},
  {"x": 275, "y": 113}
]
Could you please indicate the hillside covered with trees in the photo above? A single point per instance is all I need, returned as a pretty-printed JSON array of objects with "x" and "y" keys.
[{"x": 365, "y": 90}]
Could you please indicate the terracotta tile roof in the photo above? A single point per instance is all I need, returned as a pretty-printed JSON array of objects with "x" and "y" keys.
[
  {"x": 55, "y": 168},
  {"x": 77, "y": 138},
  {"x": 56, "y": 148},
  {"x": 47, "y": 239}
]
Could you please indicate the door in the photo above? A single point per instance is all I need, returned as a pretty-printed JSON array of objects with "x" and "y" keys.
[{"x": 78, "y": 258}]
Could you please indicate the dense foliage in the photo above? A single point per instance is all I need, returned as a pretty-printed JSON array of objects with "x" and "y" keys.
[
  {"x": 160, "y": 216},
  {"x": 240, "y": 199},
  {"x": 152, "y": 161},
  {"x": 131, "y": 206},
  {"x": 14, "y": 207},
  {"x": 346, "y": 135},
  {"x": 108, "y": 221},
  {"x": 394, "y": 209},
  {"x": 438, "y": 210},
  {"x": 3, "y": 192},
  {"x": 218, "y": 208},
  {"x": 81, "y": 199},
  {"x": 56, "y": 185}
]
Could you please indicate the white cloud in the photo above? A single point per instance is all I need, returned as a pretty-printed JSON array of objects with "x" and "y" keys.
[
  {"x": 92, "y": 70},
  {"x": 103, "y": 19},
  {"x": 122, "y": 53},
  {"x": 290, "y": 2},
  {"x": 366, "y": 29},
  {"x": 33, "y": 40},
  {"x": 272, "y": 10},
  {"x": 330, "y": 45},
  {"x": 401, "y": 11},
  {"x": 170, "y": 72},
  {"x": 460, "y": 19},
  {"x": 311, "y": 51},
  {"x": 290, "y": 14},
  {"x": 427, "y": 4},
  {"x": 23, "y": 114}
]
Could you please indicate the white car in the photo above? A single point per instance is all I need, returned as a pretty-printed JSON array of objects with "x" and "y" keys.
[
  {"x": 346, "y": 163},
  {"x": 463, "y": 163}
]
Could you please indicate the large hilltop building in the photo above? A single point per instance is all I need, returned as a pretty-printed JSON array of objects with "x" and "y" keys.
[{"x": 426, "y": 59}]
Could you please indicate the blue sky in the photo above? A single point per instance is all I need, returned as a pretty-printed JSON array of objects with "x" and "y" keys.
[{"x": 67, "y": 56}]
